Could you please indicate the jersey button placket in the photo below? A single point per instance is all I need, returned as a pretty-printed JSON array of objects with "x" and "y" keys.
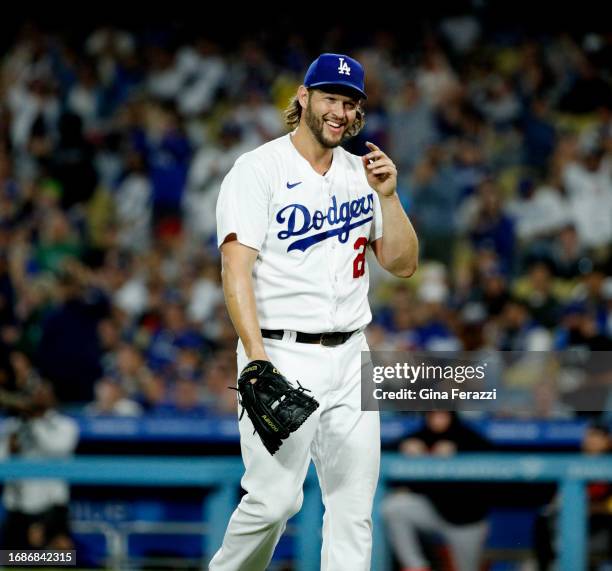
[
  {"x": 326, "y": 195},
  {"x": 334, "y": 260},
  {"x": 324, "y": 203}
]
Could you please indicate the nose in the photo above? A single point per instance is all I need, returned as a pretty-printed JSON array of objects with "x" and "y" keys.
[{"x": 338, "y": 110}]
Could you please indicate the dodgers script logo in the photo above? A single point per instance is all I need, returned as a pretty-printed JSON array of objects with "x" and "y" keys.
[
  {"x": 343, "y": 68},
  {"x": 299, "y": 221}
]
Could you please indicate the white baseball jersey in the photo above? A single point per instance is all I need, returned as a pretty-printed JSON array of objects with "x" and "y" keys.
[{"x": 311, "y": 231}]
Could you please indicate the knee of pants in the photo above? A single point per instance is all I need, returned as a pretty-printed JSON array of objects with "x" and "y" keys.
[
  {"x": 394, "y": 505},
  {"x": 280, "y": 508}
]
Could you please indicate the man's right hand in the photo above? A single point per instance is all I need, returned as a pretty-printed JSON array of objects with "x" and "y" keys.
[{"x": 413, "y": 447}]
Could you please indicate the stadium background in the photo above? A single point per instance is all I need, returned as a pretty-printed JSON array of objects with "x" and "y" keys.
[{"x": 115, "y": 133}]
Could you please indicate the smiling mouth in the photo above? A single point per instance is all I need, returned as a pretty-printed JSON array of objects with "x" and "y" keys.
[{"x": 334, "y": 126}]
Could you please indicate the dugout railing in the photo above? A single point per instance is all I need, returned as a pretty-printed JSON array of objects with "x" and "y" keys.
[{"x": 222, "y": 477}]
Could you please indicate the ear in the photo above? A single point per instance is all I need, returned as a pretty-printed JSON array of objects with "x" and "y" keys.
[{"x": 303, "y": 95}]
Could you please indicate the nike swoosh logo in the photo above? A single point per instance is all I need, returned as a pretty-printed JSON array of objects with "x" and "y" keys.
[{"x": 290, "y": 186}]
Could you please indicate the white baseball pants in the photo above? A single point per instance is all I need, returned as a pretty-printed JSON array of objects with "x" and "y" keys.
[{"x": 344, "y": 443}]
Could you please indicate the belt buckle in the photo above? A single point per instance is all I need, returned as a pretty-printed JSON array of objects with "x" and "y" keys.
[{"x": 331, "y": 339}]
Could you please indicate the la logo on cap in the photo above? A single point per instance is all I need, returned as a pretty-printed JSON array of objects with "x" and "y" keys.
[{"x": 343, "y": 68}]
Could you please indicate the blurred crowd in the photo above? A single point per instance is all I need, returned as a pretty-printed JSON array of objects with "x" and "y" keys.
[{"x": 113, "y": 148}]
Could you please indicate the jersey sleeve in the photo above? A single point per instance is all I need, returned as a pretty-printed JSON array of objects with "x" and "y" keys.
[
  {"x": 242, "y": 206},
  {"x": 376, "y": 229}
]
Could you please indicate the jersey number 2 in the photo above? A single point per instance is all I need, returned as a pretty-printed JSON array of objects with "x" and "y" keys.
[{"x": 359, "y": 261}]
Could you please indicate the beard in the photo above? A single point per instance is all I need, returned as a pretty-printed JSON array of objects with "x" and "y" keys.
[{"x": 316, "y": 125}]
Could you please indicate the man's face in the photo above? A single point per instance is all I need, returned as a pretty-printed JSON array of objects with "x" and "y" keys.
[
  {"x": 595, "y": 441},
  {"x": 438, "y": 420},
  {"x": 329, "y": 116}
]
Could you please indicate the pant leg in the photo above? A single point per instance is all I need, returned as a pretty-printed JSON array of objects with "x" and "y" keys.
[
  {"x": 273, "y": 483},
  {"x": 406, "y": 513},
  {"x": 466, "y": 543},
  {"x": 543, "y": 541},
  {"x": 346, "y": 452}
]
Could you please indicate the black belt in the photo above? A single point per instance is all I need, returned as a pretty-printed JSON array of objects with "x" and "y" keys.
[{"x": 327, "y": 339}]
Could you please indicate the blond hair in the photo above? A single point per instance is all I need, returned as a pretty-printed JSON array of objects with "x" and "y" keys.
[{"x": 293, "y": 113}]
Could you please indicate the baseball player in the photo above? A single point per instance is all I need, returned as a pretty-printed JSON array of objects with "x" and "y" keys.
[{"x": 294, "y": 219}]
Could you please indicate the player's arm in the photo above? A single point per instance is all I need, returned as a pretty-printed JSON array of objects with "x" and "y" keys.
[
  {"x": 237, "y": 261},
  {"x": 398, "y": 249}
]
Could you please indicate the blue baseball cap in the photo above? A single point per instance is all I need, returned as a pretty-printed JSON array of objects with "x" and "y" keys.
[{"x": 336, "y": 69}]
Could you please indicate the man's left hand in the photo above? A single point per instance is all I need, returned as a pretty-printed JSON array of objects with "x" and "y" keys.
[{"x": 380, "y": 171}]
